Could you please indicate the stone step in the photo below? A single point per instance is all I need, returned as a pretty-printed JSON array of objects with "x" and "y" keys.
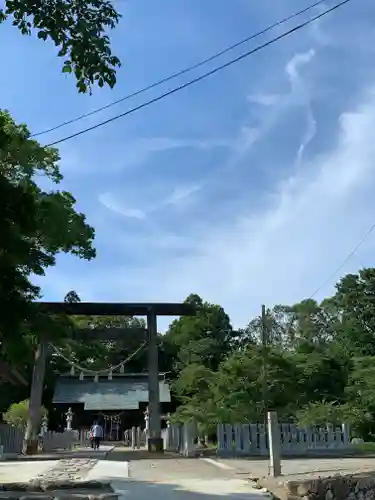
[
  {"x": 65, "y": 494},
  {"x": 40, "y": 485},
  {"x": 57, "y": 490}
]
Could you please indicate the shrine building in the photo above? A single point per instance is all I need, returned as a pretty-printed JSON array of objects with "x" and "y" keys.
[{"x": 117, "y": 403}]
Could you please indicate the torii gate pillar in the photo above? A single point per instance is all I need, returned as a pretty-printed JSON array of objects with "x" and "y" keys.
[{"x": 155, "y": 441}]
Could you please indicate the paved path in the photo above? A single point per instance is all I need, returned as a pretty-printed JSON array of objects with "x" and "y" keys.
[
  {"x": 170, "y": 477},
  {"x": 299, "y": 467},
  {"x": 80, "y": 452},
  {"x": 22, "y": 472}
]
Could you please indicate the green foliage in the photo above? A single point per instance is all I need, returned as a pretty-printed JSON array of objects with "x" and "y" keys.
[
  {"x": 320, "y": 413},
  {"x": 17, "y": 413},
  {"x": 36, "y": 224},
  {"x": 99, "y": 355},
  {"x": 204, "y": 338},
  {"x": 319, "y": 361},
  {"x": 78, "y": 28},
  {"x": 355, "y": 305}
]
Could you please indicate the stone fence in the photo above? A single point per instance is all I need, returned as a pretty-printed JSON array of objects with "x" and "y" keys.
[
  {"x": 178, "y": 438},
  {"x": 252, "y": 439},
  {"x": 181, "y": 438},
  {"x": 52, "y": 441},
  {"x": 11, "y": 440},
  {"x": 135, "y": 438}
]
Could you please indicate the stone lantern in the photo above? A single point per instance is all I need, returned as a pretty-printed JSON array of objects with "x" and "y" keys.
[{"x": 69, "y": 419}]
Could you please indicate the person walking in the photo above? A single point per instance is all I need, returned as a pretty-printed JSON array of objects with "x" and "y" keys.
[{"x": 97, "y": 435}]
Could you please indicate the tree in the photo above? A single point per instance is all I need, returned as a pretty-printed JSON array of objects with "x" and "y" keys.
[
  {"x": 194, "y": 388},
  {"x": 239, "y": 385},
  {"x": 78, "y": 28},
  {"x": 204, "y": 338},
  {"x": 99, "y": 355},
  {"x": 354, "y": 303},
  {"x": 274, "y": 323},
  {"x": 320, "y": 377},
  {"x": 17, "y": 413},
  {"x": 35, "y": 224}
]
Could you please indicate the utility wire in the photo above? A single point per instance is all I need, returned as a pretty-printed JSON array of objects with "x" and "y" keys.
[
  {"x": 349, "y": 256},
  {"x": 201, "y": 77},
  {"x": 183, "y": 71}
]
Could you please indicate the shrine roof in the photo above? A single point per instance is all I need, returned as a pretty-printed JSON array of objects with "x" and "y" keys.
[
  {"x": 120, "y": 393},
  {"x": 119, "y": 308}
]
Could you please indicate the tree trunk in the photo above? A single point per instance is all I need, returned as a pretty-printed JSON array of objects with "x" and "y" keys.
[{"x": 30, "y": 442}]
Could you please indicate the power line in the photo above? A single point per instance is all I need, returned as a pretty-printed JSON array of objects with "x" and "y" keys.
[
  {"x": 183, "y": 71},
  {"x": 349, "y": 256},
  {"x": 202, "y": 77}
]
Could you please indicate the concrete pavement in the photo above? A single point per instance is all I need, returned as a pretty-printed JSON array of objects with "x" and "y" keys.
[
  {"x": 177, "y": 478},
  {"x": 165, "y": 477},
  {"x": 297, "y": 468},
  {"x": 79, "y": 452},
  {"x": 22, "y": 472}
]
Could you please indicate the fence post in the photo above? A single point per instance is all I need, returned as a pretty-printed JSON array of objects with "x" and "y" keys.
[
  {"x": 134, "y": 438},
  {"x": 138, "y": 438},
  {"x": 345, "y": 433},
  {"x": 274, "y": 444}
]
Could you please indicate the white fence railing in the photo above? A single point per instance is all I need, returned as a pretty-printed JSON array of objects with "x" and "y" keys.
[
  {"x": 176, "y": 438},
  {"x": 181, "y": 438},
  {"x": 52, "y": 441},
  {"x": 135, "y": 438},
  {"x": 84, "y": 438},
  {"x": 11, "y": 438},
  {"x": 251, "y": 439}
]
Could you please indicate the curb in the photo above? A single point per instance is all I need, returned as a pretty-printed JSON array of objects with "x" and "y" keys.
[{"x": 65, "y": 455}]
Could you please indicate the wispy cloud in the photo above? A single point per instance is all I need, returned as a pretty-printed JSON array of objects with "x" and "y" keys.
[
  {"x": 243, "y": 200},
  {"x": 301, "y": 95},
  {"x": 309, "y": 134},
  {"x": 273, "y": 107},
  {"x": 181, "y": 194},
  {"x": 281, "y": 252},
  {"x": 177, "y": 197},
  {"x": 109, "y": 201},
  {"x": 139, "y": 151},
  {"x": 264, "y": 99}
]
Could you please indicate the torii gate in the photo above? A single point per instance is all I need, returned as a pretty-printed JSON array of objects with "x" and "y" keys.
[{"x": 151, "y": 311}]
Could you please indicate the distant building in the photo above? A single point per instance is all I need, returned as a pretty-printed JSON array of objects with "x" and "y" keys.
[{"x": 118, "y": 404}]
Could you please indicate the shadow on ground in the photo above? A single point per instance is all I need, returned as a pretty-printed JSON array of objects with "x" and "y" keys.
[
  {"x": 124, "y": 454},
  {"x": 289, "y": 456},
  {"x": 192, "y": 490}
]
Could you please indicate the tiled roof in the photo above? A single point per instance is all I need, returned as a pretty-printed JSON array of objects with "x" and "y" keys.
[{"x": 116, "y": 394}]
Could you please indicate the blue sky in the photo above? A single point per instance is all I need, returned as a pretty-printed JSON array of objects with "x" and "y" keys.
[{"x": 250, "y": 187}]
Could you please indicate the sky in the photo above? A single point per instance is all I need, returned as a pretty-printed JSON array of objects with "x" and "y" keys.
[{"x": 248, "y": 188}]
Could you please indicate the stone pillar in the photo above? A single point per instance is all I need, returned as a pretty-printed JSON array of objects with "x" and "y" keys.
[
  {"x": 274, "y": 444},
  {"x": 155, "y": 442},
  {"x": 44, "y": 426},
  {"x": 134, "y": 438},
  {"x": 345, "y": 433},
  {"x": 69, "y": 419},
  {"x": 147, "y": 426},
  {"x": 138, "y": 438},
  {"x": 30, "y": 442}
]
